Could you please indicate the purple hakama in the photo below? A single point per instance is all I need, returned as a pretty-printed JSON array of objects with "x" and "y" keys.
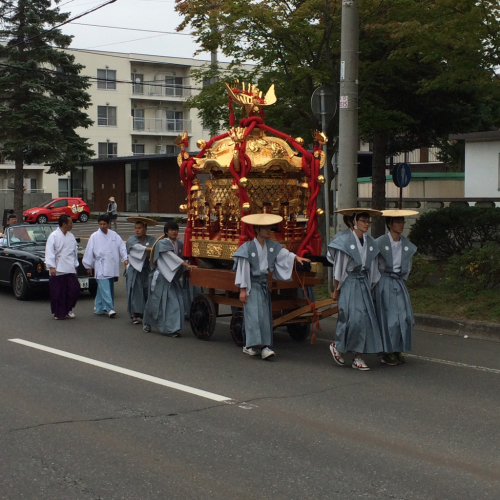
[{"x": 64, "y": 293}]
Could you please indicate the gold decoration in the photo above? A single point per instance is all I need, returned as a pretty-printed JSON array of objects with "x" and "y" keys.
[
  {"x": 234, "y": 187},
  {"x": 195, "y": 249},
  {"x": 320, "y": 137},
  {"x": 320, "y": 212},
  {"x": 236, "y": 160},
  {"x": 322, "y": 159},
  {"x": 277, "y": 151},
  {"x": 237, "y": 134},
  {"x": 317, "y": 153},
  {"x": 299, "y": 140},
  {"x": 320, "y": 179},
  {"x": 214, "y": 250},
  {"x": 253, "y": 146},
  {"x": 246, "y": 207},
  {"x": 183, "y": 208},
  {"x": 201, "y": 143},
  {"x": 196, "y": 186},
  {"x": 179, "y": 159},
  {"x": 209, "y": 154},
  {"x": 251, "y": 97},
  {"x": 243, "y": 182}
]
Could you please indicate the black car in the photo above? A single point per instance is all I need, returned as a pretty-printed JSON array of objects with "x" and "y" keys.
[{"x": 22, "y": 260}]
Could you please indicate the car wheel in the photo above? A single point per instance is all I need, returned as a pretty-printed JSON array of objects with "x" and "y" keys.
[
  {"x": 20, "y": 285},
  {"x": 83, "y": 217},
  {"x": 42, "y": 219}
]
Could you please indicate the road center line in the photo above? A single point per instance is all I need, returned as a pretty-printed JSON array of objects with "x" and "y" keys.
[{"x": 126, "y": 371}]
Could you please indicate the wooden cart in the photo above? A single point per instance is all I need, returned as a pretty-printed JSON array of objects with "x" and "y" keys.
[{"x": 296, "y": 313}]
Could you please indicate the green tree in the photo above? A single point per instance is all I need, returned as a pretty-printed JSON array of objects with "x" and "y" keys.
[
  {"x": 42, "y": 95},
  {"x": 427, "y": 68}
]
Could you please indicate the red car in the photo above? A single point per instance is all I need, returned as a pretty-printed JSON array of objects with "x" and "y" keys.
[{"x": 50, "y": 211}]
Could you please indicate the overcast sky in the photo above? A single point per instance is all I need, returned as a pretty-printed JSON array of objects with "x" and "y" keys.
[{"x": 156, "y": 15}]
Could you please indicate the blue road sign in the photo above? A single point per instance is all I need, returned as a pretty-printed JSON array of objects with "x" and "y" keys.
[{"x": 401, "y": 175}]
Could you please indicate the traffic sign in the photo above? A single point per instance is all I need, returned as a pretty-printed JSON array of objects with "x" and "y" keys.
[
  {"x": 401, "y": 175},
  {"x": 324, "y": 104}
]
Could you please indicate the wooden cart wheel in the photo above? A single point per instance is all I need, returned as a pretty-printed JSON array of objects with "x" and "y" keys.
[
  {"x": 299, "y": 331},
  {"x": 237, "y": 329},
  {"x": 203, "y": 317}
]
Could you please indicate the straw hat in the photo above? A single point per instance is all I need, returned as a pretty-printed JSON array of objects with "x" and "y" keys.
[
  {"x": 262, "y": 219},
  {"x": 360, "y": 210},
  {"x": 162, "y": 237},
  {"x": 112, "y": 199},
  {"x": 398, "y": 213},
  {"x": 145, "y": 220}
]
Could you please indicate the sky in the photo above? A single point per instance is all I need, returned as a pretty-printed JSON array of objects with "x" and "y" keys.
[{"x": 156, "y": 15}]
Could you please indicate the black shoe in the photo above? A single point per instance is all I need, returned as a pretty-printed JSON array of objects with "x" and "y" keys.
[
  {"x": 389, "y": 360},
  {"x": 146, "y": 328}
]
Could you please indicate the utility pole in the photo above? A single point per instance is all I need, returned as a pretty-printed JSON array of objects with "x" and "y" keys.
[{"x": 348, "y": 112}]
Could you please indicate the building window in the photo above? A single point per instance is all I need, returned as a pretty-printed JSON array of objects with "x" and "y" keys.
[
  {"x": 138, "y": 85},
  {"x": 63, "y": 187},
  {"x": 107, "y": 149},
  {"x": 170, "y": 149},
  {"x": 106, "y": 116},
  {"x": 138, "y": 149},
  {"x": 173, "y": 86},
  {"x": 138, "y": 119},
  {"x": 106, "y": 79},
  {"x": 175, "y": 121}
]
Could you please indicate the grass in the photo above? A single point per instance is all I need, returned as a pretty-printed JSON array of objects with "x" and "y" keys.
[{"x": 441, "y": 300}]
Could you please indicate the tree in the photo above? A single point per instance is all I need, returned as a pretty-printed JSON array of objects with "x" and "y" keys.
[
  {"x": 42, "y": 95},
  {"x": 423, "y": 76},
  {"x": 426, "y": 67}
]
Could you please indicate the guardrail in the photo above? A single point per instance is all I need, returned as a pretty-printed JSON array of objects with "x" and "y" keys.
[
  {"x": 160, "y": 125},
  {"x": 159, "y": 89}
]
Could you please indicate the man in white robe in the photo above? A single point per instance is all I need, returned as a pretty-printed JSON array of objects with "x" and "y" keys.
[
  {"x": 103, "y": 254},
  {"x": 61, "y": 257}
]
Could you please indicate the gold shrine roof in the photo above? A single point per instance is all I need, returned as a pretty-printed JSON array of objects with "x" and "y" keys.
[{"x": 265, "y": 153}]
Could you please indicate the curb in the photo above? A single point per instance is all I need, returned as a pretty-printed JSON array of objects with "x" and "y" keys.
[{"x": 480, "y": 330}]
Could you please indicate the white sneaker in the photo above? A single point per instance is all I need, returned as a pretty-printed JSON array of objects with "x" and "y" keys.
[
  {"x": 359, "y": 364},
  {"x": 71, "y": 315},
  {"x": 251, "y": 351},
  {"x": 337, "y": 355},
  {"x": 267, "y": 353},
  {"x": 111, "y": 313}
]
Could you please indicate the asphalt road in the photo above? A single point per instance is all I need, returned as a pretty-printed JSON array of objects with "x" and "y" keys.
[{"x": 298, "y": 427}]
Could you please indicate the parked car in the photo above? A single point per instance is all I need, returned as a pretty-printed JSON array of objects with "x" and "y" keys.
[
  {"x": 22, "y": 260},
  {"x": 51, "y": 210}
]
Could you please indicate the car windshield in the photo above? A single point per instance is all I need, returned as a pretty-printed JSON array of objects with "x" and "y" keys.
[
  {"x": 45, "y": 204},
  {"x": 19, "y": 236}
]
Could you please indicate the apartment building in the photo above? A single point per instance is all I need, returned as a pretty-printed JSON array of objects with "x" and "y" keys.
[{"x": 138, "y": 102}]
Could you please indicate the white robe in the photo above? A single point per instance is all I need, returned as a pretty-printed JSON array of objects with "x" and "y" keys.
[
  {"x": 61, "y": 252},
  {"x": 283, "y": 266},
  {"x": 344, "y": 264},
  {"x": 397, "y": 253},
  {"x": 104, "y": 253}
]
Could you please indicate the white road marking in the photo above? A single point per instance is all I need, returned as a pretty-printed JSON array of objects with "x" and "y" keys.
[
  {"x": 125, "y": 371},
  {"x": 454, "y": 363}
]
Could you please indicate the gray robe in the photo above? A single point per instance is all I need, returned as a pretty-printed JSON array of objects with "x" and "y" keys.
[
  {"x": 137, "y": 280},
  {"x": 165, "y": 305},
  {"x": 391, "y": 298},
  {"x": 357, "y": 327},
  {"x": 257, "y": 312},
  {"x": 189, "y": 291}
]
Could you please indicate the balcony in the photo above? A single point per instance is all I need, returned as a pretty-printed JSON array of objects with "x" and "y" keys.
[
  {"x": 160, "y": 126},
  {"x": 161, "y": 90}
]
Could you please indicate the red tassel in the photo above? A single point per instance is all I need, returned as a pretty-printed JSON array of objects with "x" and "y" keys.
[{"x": 232, "y": 119}]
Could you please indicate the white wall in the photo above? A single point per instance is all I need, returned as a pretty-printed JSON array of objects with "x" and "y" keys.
[{"x": 482, "y": 169}]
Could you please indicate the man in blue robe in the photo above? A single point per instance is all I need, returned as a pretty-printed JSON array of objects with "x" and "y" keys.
[
  {"x": 355, "y": 273},
  {"x": 253, "y": 261},
  {"x": 165, "y": 306},
  {"x": 391, "y": 298},
  {"x": 137, "y": 274}
]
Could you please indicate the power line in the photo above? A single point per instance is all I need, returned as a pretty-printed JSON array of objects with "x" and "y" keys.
[
  {"x": 134, "y": 29},
  {"x": 92, "y": 78},
  {"x": 65, "y": 22},
  {"x": 125, "y": 41}
]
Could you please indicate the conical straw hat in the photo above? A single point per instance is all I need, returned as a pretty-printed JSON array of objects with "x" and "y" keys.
[
  {"x": 144, "y": 220},
  {"x": 398, "y": 213},
  {"x": 262, "y": 219},
  {"x": 360, "y": 210}
]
